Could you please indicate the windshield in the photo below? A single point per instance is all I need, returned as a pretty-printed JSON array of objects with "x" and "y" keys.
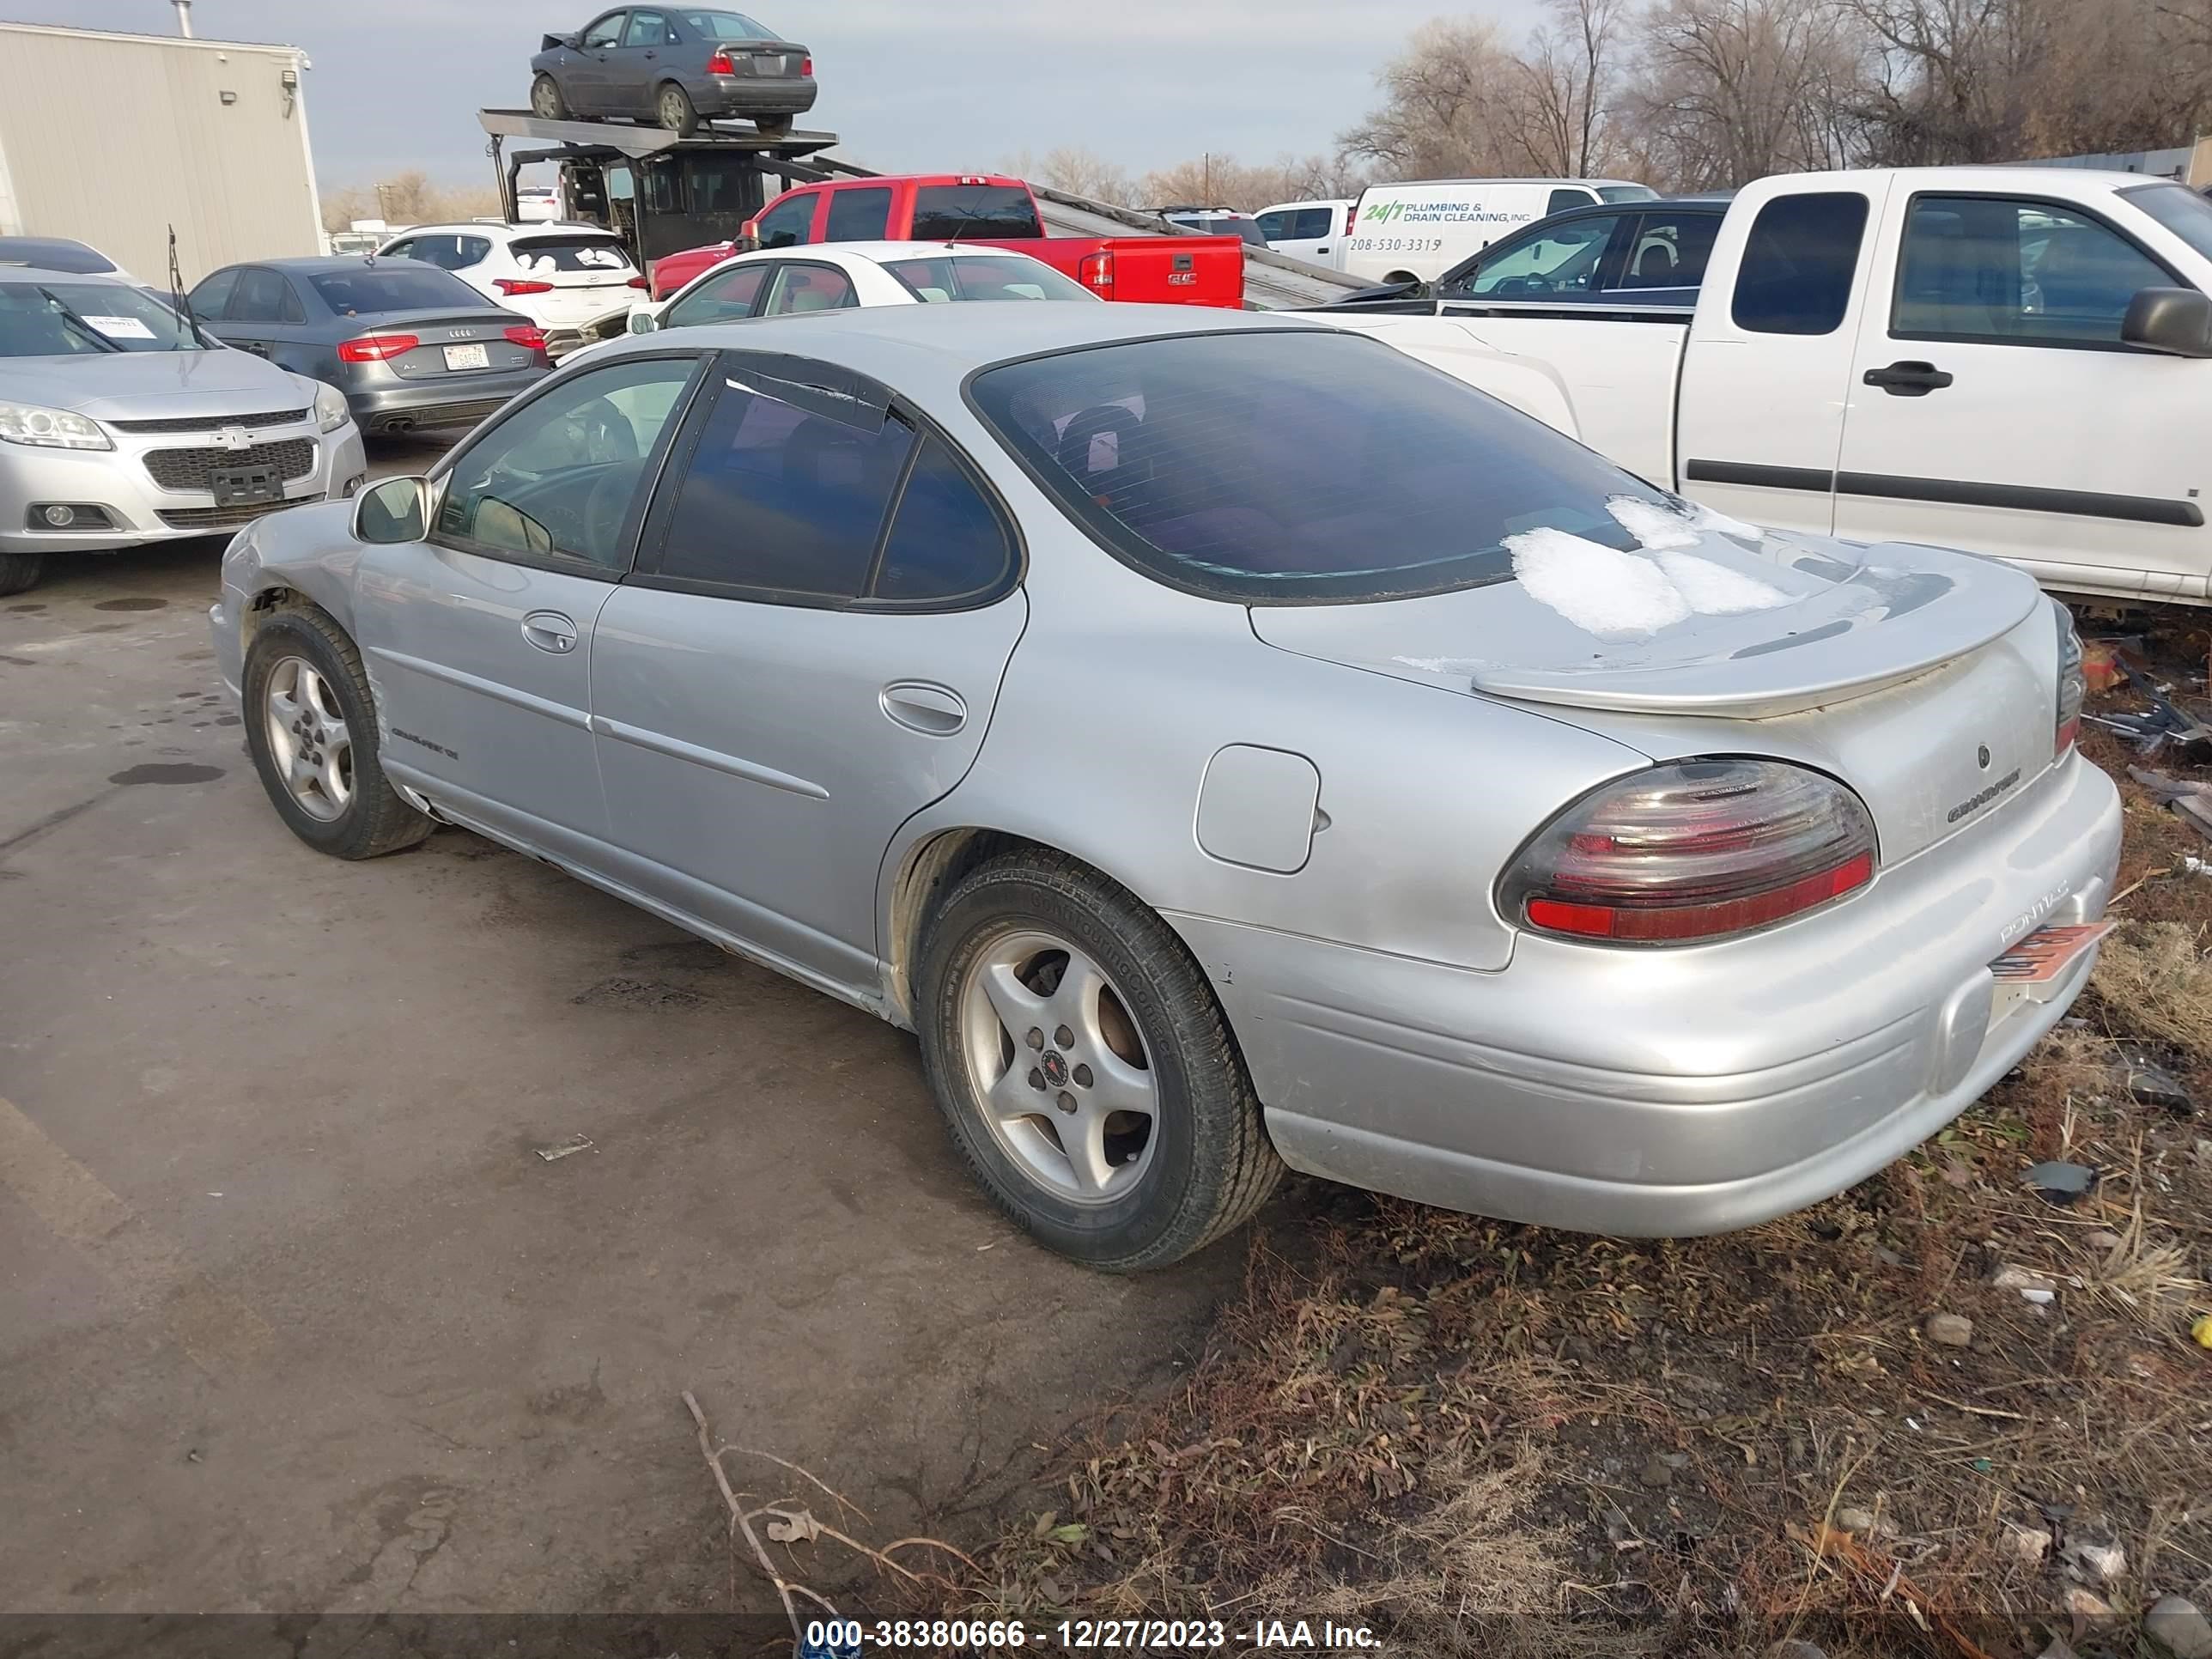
[
  {"x": 2180, "y": 210},
  {"x": 369, "y": 290},
  {"x": 943, "y": 213},
  {"x": 541, "y": 254},
  {"x": 725, "y": 26},
  {"x": 984, "y": 276},
  {"x": 1627, "y": 193},
  {"x": 85, "y": 319},
  {"x": 1294, "y": 467}
]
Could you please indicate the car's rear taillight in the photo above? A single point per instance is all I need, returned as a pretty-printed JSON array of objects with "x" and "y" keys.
[
  {"x": 511, "y": 286},
  {"x": 1350, "y": 217},
  {"x": 806, "y": 68},
  {"x": 1691, "y": 851},
  {"x": 2067, "y": 723},
  {"x": 526, "y": 335},
  {"x": 720, "y": 63},
  {"x": 637, "y": 282},
  {"x": 1097, "y": 273},
  {"x": 376, "y": 348}
]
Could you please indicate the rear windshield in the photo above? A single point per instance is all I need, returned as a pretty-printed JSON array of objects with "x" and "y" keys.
[
  {"x": 942, "y": 212},
  {"x": 392, "y": 287},
  {"x": 85, "y": 319},
  {"x": 984, "y": 276},
  {"x": 2180, "y": 210},
  {"x": 1627, "y": 193},
  {"x": 549, "y": 253},
  {"x": 725, "y": 26},
  {"x": 1291, "y": 467}
]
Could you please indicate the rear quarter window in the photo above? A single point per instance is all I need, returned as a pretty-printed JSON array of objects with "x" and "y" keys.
[{"x": 1798, "y": 263}]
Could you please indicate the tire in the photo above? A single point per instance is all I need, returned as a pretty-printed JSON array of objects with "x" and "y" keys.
[
  {"x": 546, "y": 102},
  {"x": 1164, "y": 1186},
  {"x": 21, "y": 571},
  {"x": 774, "y": 126},
  {"x": 673, "y": 107},
  {"x": 360, "y": 816}
]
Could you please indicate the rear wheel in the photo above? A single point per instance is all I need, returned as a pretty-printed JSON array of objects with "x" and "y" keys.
[
  {"x": 311, "y": 728},
  {"x": 546, "y": 102},
  {"x": 1085, "y": 1069},
  {"x": 20, "y": 570},
  {"x": 674, "y": 109}
]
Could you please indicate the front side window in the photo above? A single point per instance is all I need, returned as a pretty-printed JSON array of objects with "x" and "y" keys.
[
  {"x": 2009, "y": 270},
  {"x": 789, "y": 222},
  {"x": 722, "y": 298},
  {"x": 948, "y": 277},
  {"x": 1549, "y": 262},
  {"x": 1669, "y": 249},
  {"x": 557, "y": 478},
  {"x": 859, "y": 215},
  {"x": 2180, "y": 210},
  {"x": 374, "y": 289},
  {"x": 1289, "y": 466},
  {"x": 605, "y": 33},
  {"x": 1798, "y": 263},
  {"x": 209, "y": 298},
  {"x": 810, "y": 288},
  {"x": 62, "y": 318},
  {"x": 782, "y": 501},
  {"x": 944, "y": 213},
  {"x": 1311, "y": 224}
]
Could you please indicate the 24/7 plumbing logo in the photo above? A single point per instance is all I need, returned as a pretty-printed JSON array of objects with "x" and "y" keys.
[{"x": 1436, "y": 213}]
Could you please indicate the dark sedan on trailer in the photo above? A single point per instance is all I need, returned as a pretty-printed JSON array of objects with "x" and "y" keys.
[
  {"x": 408, "y": 345},
  {"x": 673, "y": 65}
]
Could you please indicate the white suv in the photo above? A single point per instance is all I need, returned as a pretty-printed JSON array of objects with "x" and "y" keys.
[{"x": 576, "y": 282}]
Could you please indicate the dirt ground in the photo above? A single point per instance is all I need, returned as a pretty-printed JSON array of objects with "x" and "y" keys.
[{"x": 292, "y": 1313}]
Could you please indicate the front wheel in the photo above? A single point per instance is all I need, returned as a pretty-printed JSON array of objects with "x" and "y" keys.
[
  {"x": 311, "y": 728},
  {"x": 676, "y": 110},
  {"x": 546, "y": 102},
  {"x": 1085, "y": 1072},
  {"x": 20, "y": 571}
]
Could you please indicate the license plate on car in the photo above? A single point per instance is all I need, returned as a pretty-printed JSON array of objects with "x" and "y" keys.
[
  {"x": 467, "y": 357},
  {"x": 242, "y": 486},
  {"x": 2038, "y": 958}
]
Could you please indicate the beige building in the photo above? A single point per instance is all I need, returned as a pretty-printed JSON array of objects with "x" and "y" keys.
[{"x": 114, "y": 138}]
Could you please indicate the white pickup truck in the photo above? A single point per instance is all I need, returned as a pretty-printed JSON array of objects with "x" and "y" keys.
[{"x": 2012, "y": 361}]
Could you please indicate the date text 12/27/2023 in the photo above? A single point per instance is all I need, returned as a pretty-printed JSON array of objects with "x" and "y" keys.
[{"x": 845, "y": 1638}]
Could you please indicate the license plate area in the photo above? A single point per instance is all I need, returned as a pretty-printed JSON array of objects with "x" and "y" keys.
[
  {"x": 468, "y": 357},
  {"x": 2031, "y": 967},
  {"x": 243, "y": 486}
]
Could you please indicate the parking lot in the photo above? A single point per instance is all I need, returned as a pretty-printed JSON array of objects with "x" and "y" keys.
[{"x": 294, "y": 1314}]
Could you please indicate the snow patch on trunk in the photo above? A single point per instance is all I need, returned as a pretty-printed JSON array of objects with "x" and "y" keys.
[
  {"x": 1652, "y": 525},
  {"x": 1714, "y": 590},
  {"x": 1599, "y": 589}
]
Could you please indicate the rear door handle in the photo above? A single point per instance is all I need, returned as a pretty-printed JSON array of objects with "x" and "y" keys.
[
  {"x": 548, "y": 630},
  {"x": 1909, "y": 380},
  {"x": 935, "y": 711}
]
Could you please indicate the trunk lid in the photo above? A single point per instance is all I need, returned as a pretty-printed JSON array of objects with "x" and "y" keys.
[
  {"x": 464, "y": 333},
  {"x": 1924, "y": 679}
]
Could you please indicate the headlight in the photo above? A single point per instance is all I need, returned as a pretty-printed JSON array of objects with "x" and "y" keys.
[
  {"x": 331, "y": 411},
  {"x": 50, "y": 428}
]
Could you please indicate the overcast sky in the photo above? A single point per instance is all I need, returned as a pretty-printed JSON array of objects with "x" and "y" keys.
[{"x": 910, "y": 84}]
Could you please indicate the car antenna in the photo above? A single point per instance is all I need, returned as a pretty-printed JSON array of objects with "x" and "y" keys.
[
  {"x": 958, "y": 229},
  {"x": 177, "y": 293}
]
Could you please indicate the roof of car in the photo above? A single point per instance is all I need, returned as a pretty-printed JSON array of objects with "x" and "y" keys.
[
  {"x": 14, "y": 273},
  {"x": 880, "y": 253},
  {"x": 514, "y": 227},
  {"x": 309, "y": 264}
]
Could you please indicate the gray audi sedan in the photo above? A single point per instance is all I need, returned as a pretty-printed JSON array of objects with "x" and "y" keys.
[
  {"x": 1227, "y": 744},
  {"x": 408, "y": 345},
  {"x": 119, "y": 425}
]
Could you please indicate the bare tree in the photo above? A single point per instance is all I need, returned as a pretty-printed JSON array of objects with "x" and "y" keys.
[
  {"x": 1567, "y": 87},
  {"x": 1081, "y": 172},
  {"x": 1451, "y": 106}
]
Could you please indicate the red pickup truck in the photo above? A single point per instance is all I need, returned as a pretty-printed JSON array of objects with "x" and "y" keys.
[{"x": 984, "y": 208}]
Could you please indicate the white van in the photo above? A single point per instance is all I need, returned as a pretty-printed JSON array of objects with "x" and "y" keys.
[
  {"x": 1417, "y": 232},
  {"x": 1310, "y": 230}
]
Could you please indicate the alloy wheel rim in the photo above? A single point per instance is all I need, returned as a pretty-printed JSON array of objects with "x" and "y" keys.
[
  {"x": 671, "y": 111},
  {"x": 1058, "y": 1066},
  {"x": 309, "y": 743}
]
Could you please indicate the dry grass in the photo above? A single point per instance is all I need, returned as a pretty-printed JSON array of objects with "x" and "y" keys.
[{"x": 2153, "y": 975}]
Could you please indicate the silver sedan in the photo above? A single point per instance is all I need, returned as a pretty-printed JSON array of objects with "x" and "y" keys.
[{"x": 1227, "y": 744}]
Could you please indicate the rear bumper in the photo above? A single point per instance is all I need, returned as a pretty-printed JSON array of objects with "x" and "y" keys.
[
  {"x": 140, "y": 512},
  {"x": 733, "y": 96},
  {"x": 1671, "y": 1093},
  {"x": 397, "y": 404}
]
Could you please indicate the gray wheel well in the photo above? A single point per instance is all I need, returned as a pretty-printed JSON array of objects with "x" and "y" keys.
[
  {"x": 1402, "y": 277},
  {"x": 265, "y": 604}
]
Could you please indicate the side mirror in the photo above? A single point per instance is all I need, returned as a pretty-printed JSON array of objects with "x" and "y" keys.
[
  {"x": 643, "y": 322},
  {"x": 2176, "y": 321},
  {"x": 392, "y": 511}
]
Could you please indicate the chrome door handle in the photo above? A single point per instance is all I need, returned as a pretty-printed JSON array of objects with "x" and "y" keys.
[
  {"x": 548, "y": 630},
  {"x": 935, "y": 711}
]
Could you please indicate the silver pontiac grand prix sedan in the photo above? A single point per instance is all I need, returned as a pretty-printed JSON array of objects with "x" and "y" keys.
[{"x": 1227, "y": 743}]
